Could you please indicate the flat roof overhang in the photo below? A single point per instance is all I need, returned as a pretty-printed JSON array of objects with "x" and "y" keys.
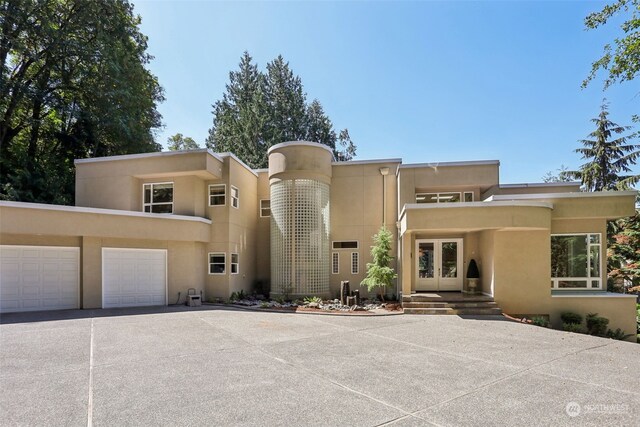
[
  {"x": 475, "y": 216},
  {"x": 580, "y": 205},
  {"x": 201, "y": 163},
  {"x": 57, "y": 220}
]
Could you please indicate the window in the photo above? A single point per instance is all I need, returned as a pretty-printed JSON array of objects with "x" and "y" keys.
[
  {"x": 575, "y": 261},
  {"x": 234, "y": 264},
  {"x": 265, "y": 208},
  {"x": 448, "y": 197},
  {"x": 235, "y": 197},
  {"x": 354, "y": 262},
  {"x": 158, "y": 197},
  {"x": 217, "y": 263},
  {"x": 217, "y": 194},
  {"x": 335, "y": 265},
  {"x": 351, "y": 244}
]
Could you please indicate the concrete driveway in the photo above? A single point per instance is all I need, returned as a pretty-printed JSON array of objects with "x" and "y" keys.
[{"x": 221, "y": 366}]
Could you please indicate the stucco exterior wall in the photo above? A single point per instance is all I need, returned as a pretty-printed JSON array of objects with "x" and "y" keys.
[
  {"x": 435, "y": 178},
  {"x": 619, "y": 309},
  {"x": 357, "y": 210},
  {"x": 233, "y": 230},
  {"x": 185, "y": 261},
  {"x": 521, "y": 269},
  {"x": 115, "y": 182},
  {"x": 263, "y": 232},
  {"x": 486, "y": 261}
]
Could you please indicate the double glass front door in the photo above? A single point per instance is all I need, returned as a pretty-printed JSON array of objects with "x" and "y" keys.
[{"x": 439, "y": 265}]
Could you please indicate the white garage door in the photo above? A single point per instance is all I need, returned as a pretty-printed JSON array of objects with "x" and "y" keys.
[
  {"x": 39, "y": 278},
  {"x": 134, "y": 277}
]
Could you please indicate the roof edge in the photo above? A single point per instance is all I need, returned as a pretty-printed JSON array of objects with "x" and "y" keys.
[
  {"x": 581, "y": 194},
  {"x": 451, "y": 164},
  {"x": 234, "y": 157},
  {"x": 82, "y": 209},
  {"x": 364, "y": 162},
  {"x": 540, "y": 184},
  {"x": 300, "y": 143},
  {"x": 144, "y": 155},
  {"x": 483, "y": 204}
]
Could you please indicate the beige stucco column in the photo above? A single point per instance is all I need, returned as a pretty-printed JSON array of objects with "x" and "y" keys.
[
  {"x": 407, "y": 257},
  {"x": 91, "y": 272}
]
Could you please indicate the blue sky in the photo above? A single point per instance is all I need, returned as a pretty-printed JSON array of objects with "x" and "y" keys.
[{"x": 425, "y": 81}]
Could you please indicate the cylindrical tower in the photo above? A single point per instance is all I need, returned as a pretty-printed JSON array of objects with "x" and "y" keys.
[{"x": 300, "y": 185}]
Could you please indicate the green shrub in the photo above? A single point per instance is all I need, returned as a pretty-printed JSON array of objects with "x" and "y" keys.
[
  {"x": 596, "y": 325},
  {"x": 540, "y": 321},
  {"x": 572, "y": 327},
  {"x": 308, "y": 300},
  {"x": 618, "y": 334},
  {"x": 571, "y": 318}
]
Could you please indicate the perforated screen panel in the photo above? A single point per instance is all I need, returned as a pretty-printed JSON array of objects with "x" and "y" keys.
[{"x": 300, "y": 246}]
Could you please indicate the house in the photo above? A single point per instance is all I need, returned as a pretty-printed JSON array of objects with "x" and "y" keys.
[{"x": 147, "y": 228}]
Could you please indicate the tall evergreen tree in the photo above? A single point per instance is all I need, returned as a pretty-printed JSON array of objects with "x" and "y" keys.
[
  {"x": 347, "y": 150},
  {"x": 239, "y": 118},
  {"x": 319, "y": 127},
  {"x": 259, "y": 110},
  {"x": 286, "y": 103},
  {"x": 609, "y": 160}
]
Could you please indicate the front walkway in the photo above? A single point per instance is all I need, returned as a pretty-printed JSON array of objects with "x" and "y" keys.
[{"x": 220, "y": 366}]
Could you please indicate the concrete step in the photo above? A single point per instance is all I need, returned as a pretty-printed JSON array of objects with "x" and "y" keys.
[
  {"x": 462, "y": 305},
  {"x": 446, "y": 298},
  {"x": 478, "y": 311},
  {"x": 445, "y": 310},
  {"x": 406, "y": 305}
]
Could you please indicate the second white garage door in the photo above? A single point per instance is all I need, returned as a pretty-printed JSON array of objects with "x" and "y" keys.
[{"x": 134, "y": 277}]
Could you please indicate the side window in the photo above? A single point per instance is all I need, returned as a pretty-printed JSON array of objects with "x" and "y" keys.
[
  {"x": 158, "y": 197},
  {"x": 265, "y": 208},
  {"x": 355, "y": 262},
  {"x": 335, "y": 263},
  {"x": 235, "y": 197},
  {"x": 235, "y": 265},
  {"x": 217, "y": 263},
  {"x": 217, "y": 194}
]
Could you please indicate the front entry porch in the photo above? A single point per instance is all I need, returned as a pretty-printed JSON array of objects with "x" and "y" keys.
[{"x": 449, "y": 303}]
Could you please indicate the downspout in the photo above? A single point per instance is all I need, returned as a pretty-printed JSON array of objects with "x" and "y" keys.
[{"x": 399, "y": 242}]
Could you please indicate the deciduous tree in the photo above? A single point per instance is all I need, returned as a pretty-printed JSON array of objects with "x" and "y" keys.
[
  {"x": 622, "y": 61},
  {"x": 73, "y": 84},
  {"x": 180, "y": 142}
]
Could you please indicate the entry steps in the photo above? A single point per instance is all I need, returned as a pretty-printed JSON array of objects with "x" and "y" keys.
[{"x": 449, "y": 303}]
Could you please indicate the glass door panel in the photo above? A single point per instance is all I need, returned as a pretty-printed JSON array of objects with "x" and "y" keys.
[{"x": 438, "y": 265}]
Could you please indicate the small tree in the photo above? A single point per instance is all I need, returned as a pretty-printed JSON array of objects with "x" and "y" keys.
[
  {"x": 379, "y": 273},
  {"x": 180, "y": 142}
]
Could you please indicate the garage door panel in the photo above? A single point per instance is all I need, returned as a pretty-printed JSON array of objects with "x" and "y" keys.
[
  {"x": 39, "y": 278},
  {"x": 133, "y": 277}
]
